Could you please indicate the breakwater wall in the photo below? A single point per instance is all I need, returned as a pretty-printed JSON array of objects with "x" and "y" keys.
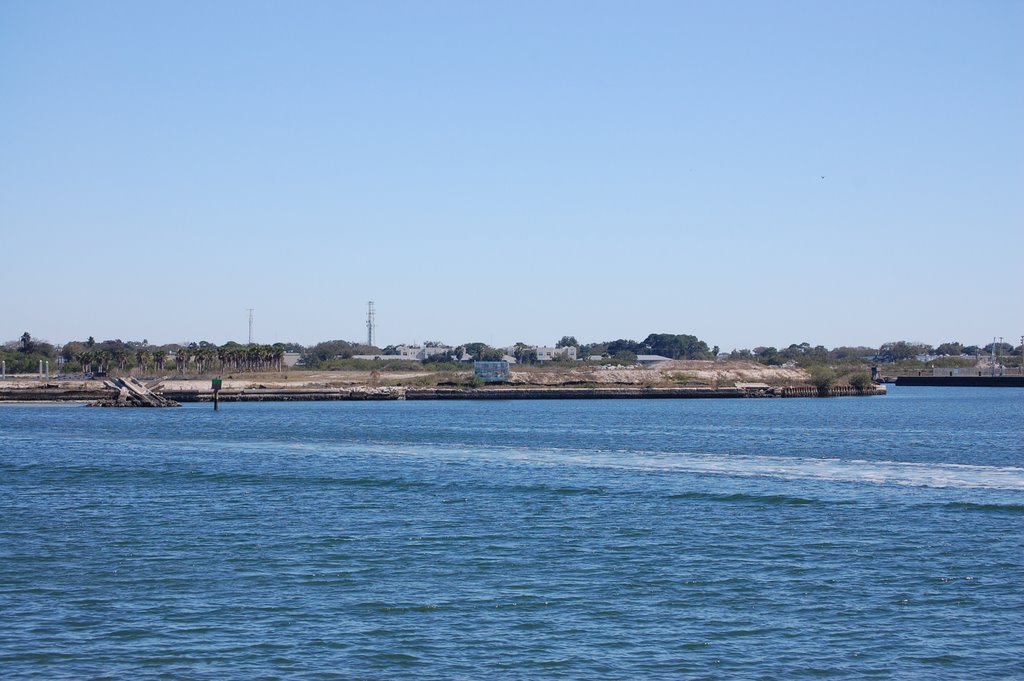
[
  {"x": 615, "y": 393},
  {"x": 55, "y": 393},
  {"x": 962, "y": 381},
  {"x": 514, "y": 393}
]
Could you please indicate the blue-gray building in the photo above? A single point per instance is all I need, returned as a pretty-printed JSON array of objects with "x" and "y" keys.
[{"x": 491, "y": 372}]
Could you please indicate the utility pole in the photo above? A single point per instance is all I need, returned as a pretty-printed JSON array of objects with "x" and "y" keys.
[
  {"x": 371, "y": 323},
  {"x": 250, "y": 325}
]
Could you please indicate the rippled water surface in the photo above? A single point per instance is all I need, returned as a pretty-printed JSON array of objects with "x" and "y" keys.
[{"x": 852, "y": 537}]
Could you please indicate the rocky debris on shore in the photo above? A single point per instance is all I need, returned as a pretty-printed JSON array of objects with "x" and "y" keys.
[{"x": 131, "y": 393}]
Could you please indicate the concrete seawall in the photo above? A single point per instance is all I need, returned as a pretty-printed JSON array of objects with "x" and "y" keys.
[
  {"x": 511, "y": 393},
  {"x": 55, "y": 393},
  {"x": 962, "y": 381}
]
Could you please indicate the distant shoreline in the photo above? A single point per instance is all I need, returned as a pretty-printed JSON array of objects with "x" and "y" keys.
[{"x": 52, "y": 393}]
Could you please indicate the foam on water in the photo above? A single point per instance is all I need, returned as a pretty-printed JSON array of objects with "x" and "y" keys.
[
  {"x": 824, "y": 469},
  {"x": 838, "y": 470},
  {"x": 912, "y": 474}
]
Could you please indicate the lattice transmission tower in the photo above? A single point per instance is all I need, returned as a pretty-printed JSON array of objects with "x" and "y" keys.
[{"x": 371, "y": 324}]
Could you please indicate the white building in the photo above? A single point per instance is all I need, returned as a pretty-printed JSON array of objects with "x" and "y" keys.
[
  {"x": 416, "y": 352},
  {"x": 545, "y": 353},
  {"x": 407, "y": 352},
  {"x": 431, "y": 351}
]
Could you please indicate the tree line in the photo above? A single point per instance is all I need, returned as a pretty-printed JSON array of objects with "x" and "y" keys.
[
  {"x": 23, "y": 355},
  {"x": 893, "y": 351},
  {"x": 92, "y": 356}
]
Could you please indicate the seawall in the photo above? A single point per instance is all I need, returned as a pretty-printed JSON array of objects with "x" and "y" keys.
[
  {"x": 962, "y": 381},
  {"x": 56, "y": 393},
  {"x": 513, "y": 393}
]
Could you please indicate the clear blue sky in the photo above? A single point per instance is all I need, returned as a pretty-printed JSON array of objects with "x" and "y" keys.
[{"x": 513, "y": 171}]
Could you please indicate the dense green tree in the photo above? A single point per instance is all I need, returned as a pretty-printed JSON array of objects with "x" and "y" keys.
[
  {"x": 676, "y": 346},
  {"x": 952, "y": 348},
  {"x": 22, "y": 356},
  {"x": 524, "y": 354},
  {"x": 769, "y": 355},
  {"x": 482, "y": 352},
  {"x": 623, "y": 345},
  {"x": 852, "y": 353},
  {"x": 1001, "y": 349},
  {"x": 567, "y": 342},
  {"x": 803, "y": 353},
  {"x": 896, "y": 351},
  {"x": 328, "y": 350}
]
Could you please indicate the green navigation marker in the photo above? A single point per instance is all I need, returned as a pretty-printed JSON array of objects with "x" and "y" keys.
[{"x": 215, "y": 384}]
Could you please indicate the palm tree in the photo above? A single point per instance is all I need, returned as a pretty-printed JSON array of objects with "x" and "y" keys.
[
  {"x": 85, "y": 358},
  {"x": 252, "y": 356},
  {"x": 158, "y": 358},
  {"x": 104, "y": 359},
  {"x": 181, "y": 357},
  {"x": 208, "y": 354},
  {"x": 264, "y": 355}
]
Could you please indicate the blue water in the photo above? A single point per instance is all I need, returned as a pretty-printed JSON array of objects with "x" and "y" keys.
[{"x": 798, "y": 538}]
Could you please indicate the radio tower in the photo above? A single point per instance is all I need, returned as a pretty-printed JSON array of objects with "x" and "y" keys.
[
  {"x": 250, "y": 325},
  {"x": 370, "y": 324}
]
